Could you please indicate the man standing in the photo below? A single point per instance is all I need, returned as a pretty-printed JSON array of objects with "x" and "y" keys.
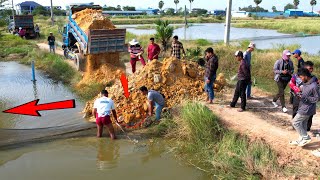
[
  {"x": 176, "y": 48},
  {"x": 297, "y": 55},
  {"x": 37, "y": 31},
  {"x": 296, "y": 85},
  {"x": 155, "y": 99},
  {"x": 244, "y": 77},
  {"x": 153, "y": 50},
  {"x": 136, "y": 52},
  {"x": 283, "y": 69},
  {"x": 247, "y": 58},
  {"x": 307, "y": 107},
  {"x": 102, "y": 110},
  {"x": 210, "y": 73},
  {"x": 51, "y": 42}
]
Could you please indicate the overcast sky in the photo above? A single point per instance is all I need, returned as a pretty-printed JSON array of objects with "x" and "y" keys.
[{"x": 207, "y": 4}]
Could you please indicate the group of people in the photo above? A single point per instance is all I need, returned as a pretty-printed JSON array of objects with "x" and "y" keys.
[
  {"x": 22, "y": 32},
  {"x": 136, "y": 51}
]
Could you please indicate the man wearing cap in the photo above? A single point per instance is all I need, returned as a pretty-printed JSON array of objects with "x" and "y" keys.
[
  {"x": 247, "y": 58},
  {"x": 244, "y": 77},
  {"x": 51, "y": 42},
  {"x": 283, "y": 69},
  {"x": 297, "y": 55},
  {"x": 210, "y": 73},
  {"x": 136, "y": 52},
  {"x": 153, "y": 50},
  {"x": 176, "y": 48},
  {"x": 102, "y": 109}
]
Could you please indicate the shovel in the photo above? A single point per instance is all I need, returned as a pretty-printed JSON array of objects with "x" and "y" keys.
[{"x": 134, "y": 140}]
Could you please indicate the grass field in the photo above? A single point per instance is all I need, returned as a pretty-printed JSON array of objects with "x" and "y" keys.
[{"x": 299, "y": 26}]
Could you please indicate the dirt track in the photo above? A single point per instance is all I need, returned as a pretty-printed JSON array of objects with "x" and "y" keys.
[{"x": 262, "y": 121}]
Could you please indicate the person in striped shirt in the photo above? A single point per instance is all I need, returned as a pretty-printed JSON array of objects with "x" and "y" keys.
[{"x": 136, "y": 52}]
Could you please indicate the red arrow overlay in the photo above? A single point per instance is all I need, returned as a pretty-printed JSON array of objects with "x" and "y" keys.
[
  {"x": 124, "y": 82},
  {"x": 31, "y": 108}
]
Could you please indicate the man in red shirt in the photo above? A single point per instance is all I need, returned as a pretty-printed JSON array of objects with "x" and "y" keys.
[{"x": 153, "y": 50}]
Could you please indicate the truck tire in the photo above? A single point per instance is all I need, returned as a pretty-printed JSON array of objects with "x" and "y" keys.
[
  {"x": 65, "y": 53},
  {"x": 80, "y": 62}
]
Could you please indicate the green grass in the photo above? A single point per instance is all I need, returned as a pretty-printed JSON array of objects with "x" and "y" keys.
[
  {"x": 300, "y": 26},
  {"x": 11, "y": 44},
  {"x": 200, "y": 139}
]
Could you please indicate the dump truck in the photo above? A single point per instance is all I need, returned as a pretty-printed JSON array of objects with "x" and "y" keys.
[
  {"x": 25, "y": 22},
  {"x": 79, "y": 43}
]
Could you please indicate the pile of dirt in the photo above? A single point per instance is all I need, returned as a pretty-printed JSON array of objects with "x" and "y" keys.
[
  {"x": 177, "y": 80},
  {"x": 92, "y": 19}
]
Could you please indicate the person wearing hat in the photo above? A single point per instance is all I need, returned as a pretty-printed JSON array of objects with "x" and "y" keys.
[
  {"x": 210, "y": 75},
  {"x": 247, "y": 58},
  {"x": 51, "y": 42},
  {"x": 283, "y": 69},
  {"x": 244, "y": 77},
  {"x": 102, "y": 109},
  {"x": 136, "y": 52},
  {"x": 22, "y": 32},
  {"x": 297, "y": 55}
]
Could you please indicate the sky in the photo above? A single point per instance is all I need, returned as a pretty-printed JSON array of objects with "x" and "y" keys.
[{"x": 206, "y": 4}]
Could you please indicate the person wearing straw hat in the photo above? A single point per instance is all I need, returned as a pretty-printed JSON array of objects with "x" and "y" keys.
[
  {"x": 22, "y": 32},
  {"x": 136, "y": 52}
]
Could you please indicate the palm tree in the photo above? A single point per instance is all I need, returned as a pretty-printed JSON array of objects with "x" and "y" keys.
[
  {"x": 176, "y": 2},
  {"x": 163, "y": 32},
  {"x": 257, "y": 2},
  {"x": 296, "y": 4},
  {"x": 190, "y": 4},
  {"x": 313, "y": 3},
  {"x": 161, "y": 4},
  {"x": 274, "y": 9}
]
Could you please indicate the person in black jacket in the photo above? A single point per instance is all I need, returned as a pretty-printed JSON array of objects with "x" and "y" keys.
[
  {"x": 244, "y": 78},
  {"x": 210, "y": 73}
]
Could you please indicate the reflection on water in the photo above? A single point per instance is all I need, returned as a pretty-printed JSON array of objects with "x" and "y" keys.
[
  {"x": 94, "y": 158},
  {"x": 17, "y": 88},
  {"x": 108, "y": 154}
]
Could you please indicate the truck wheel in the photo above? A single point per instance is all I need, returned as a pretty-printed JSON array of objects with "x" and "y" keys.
[
  {"x": 65, "y": 53},
  {"x": 79, "y": 61}
]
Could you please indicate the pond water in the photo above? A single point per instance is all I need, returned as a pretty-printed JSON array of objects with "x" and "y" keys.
[
  {"x": 264, "y": 39},
  {"x": 93, "y": 158},
  {"x": 17, "y": 88}
]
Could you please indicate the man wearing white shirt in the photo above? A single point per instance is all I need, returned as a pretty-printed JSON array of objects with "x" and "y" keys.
[{"x": 102, "y": 109}]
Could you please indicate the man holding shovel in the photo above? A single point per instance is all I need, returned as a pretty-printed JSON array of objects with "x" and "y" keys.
[{"x": 102, "y": 109}]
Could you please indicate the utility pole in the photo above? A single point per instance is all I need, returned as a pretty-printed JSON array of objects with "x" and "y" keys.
[
  {"x": 185, "y": 15},
  {"x": 52, "y": 21},
  {"x": 228, "y": 21},
  {"x": 12, "y": 11}
]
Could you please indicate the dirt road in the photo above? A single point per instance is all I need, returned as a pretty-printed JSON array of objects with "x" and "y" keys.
[{"x": 263, "y": 121}]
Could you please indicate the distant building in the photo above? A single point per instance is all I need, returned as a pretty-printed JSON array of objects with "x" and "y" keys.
[
  {"x": 242, "y": 14},
  {"x": 26, "y": 7},
  {"x": 123, "y": 13},
  {"x": 149, "y": 11},
  {"x": 270, "y": 14},
  {"x": 294, "y": 12},
  {"x": 218, "y": 12}
]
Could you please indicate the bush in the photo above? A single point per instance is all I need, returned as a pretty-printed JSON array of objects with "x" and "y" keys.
[
  {"x": 203, "y": 42},
  {"x": 219, "y": 17}
]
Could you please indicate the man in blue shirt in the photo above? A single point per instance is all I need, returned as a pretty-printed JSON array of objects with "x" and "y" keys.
[{"x": 247, "y": 58}]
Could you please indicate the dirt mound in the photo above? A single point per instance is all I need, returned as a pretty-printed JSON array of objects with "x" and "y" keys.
[
  {"x": 177, "y": 80},
  {"x": 92, "y": 19}
]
